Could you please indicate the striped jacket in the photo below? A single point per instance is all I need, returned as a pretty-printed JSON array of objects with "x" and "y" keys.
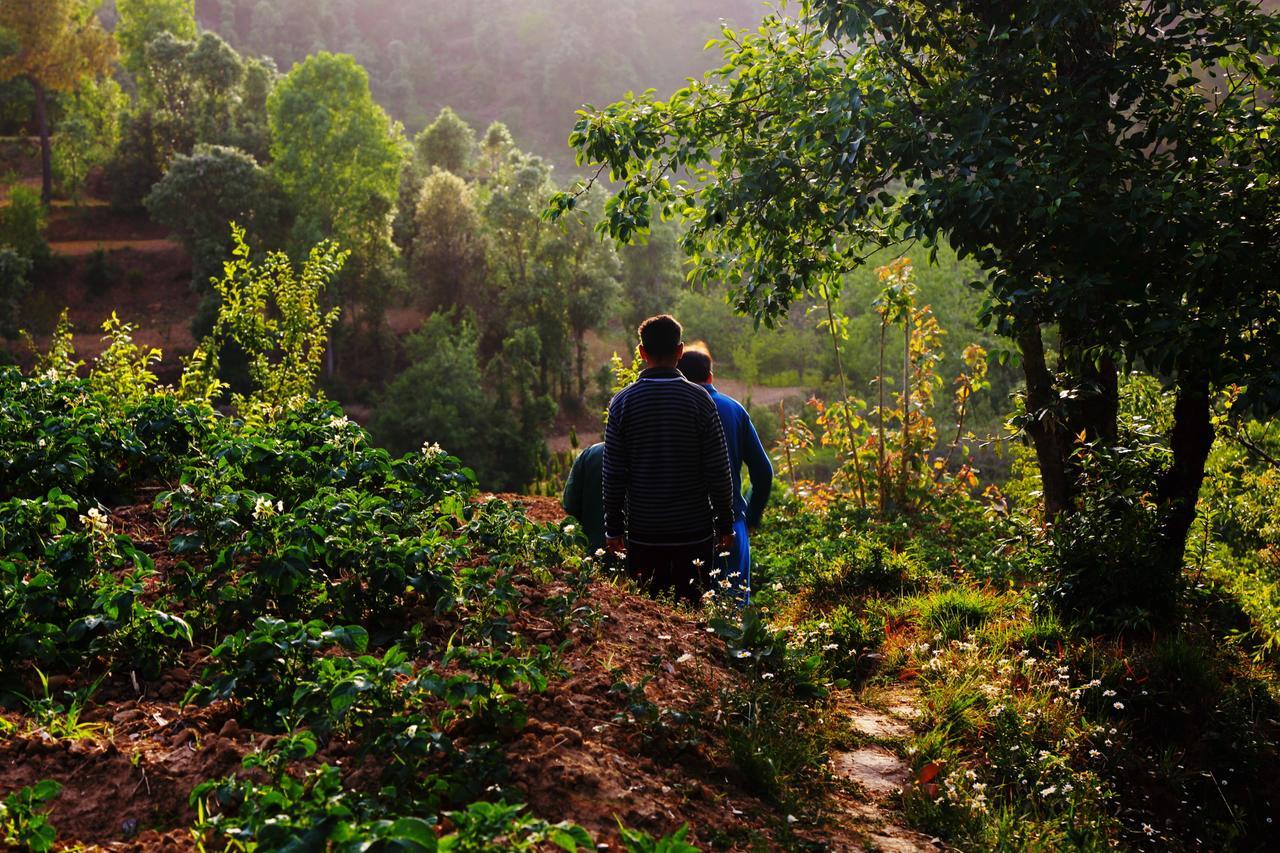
[{"x": 666, "y": 466}]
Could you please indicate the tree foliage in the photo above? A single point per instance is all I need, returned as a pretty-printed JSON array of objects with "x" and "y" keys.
[
  {"x": 448, "y": 261},
  {"x": 205, "y": 190},
  {"x": 15, "y": 283},
  {"x": 488, "y": 415},
  {"x": 88, "y": 132},
  {"x": 59, "y": 43},
  {"x": 141, "y": 21},
  {"x": 447, "y": 143},
  {"x": 191, "y": 92},
  {"x": 337, "y": 157}
]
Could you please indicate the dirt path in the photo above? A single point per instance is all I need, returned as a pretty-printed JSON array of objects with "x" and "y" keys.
[
  {"x": 80, "y": 248},
  {"x": 880, "y": 720}
]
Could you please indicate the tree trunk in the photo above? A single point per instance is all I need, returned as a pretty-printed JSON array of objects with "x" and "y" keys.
[
  {"x": 1179, "y": 489},
  {"x": 906, "y": 408},
  {"x": 882, "y": 474},
  {"x": 582, "y": 376},
  {"x": 46, "y": 155},
  {"x": 1050, "y": 437}
]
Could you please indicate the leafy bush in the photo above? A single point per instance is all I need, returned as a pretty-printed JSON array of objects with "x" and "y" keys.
[
  {"x": 447, "y": 397},
  {"x": 100, "y": 274},
  {"x": 15, "y": 284},
  {"x": 273, "y": 313},
  {"x": 22, "y": 223}
]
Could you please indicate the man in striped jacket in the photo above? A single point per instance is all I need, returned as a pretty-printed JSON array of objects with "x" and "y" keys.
[{"x": 667, "y": 487}]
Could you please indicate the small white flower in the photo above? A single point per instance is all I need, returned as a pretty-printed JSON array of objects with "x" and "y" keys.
[
  {"x": 1119, "y": 706},
  {"x": 767, "y": 676},
  {"x": 569, "y": 528},
  {"x": 791, "y": 818},
  {"x": 697, "y": 564},
  {"x": 600, "y": 552},
  {"x": 742, "y": 653},
  {"x": 1049, "y": 791},
  {"x": 263, "y": 508},
  {"x": 713, "y": 573},
  {"x": 723, "y": 554},
  {"x": 432, "y": 451}
]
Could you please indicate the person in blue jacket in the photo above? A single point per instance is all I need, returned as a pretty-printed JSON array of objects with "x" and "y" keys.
[{"x": 744, "y": 448}]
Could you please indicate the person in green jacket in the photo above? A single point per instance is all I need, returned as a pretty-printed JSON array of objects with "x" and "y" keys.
[{"x": 583, "y": 494}]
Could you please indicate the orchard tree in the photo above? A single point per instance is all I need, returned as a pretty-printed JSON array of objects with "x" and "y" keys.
[
  {"x": 141, "y": 21},
  {"x": 447, "y": 143},
  {"x": 60, "y": 43},
  {"x": 1111, "y": 164}
]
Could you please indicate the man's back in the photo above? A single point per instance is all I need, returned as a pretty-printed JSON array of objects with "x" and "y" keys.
[{"x": 666, "y": 468}]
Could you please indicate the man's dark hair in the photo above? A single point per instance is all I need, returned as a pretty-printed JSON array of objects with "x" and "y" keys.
[
  {"x": 660, "y": 336},
  {"x": 695, "y": 364}
]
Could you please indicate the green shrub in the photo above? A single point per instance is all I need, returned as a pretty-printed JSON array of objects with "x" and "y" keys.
[
  {"x": 22, "y": 224},
  {"x": 15, "y": 284},
  {"x": 100, "y": 274},
  {"x": 955, "y": 613}
]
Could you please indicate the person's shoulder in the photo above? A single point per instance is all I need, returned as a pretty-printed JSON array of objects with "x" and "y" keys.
[
  {"x": 623, "y": 394},
  {"x": 724, "y": 401}
]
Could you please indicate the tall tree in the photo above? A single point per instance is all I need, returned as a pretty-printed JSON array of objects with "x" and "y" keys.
[
  {"x": 141, "y": 21},
  {"x": 448, "y": 246},
  {"x": 60, "y": 42},
  {"x": 337, "y": 157},
  {"x": 1110, "y": 163},
  {"x": 447, "y": 143},
  {"x": 589, "y": 269}
]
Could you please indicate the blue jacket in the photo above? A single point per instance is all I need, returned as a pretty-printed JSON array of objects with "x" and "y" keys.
[{"x": 744, "y": 448}]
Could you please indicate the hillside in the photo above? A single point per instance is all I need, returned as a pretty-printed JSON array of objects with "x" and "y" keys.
[{"x": 530, "y": 64}]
